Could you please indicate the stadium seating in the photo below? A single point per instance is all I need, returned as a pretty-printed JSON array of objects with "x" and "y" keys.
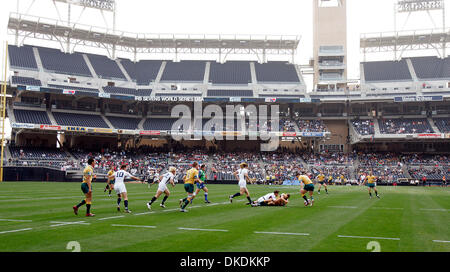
[
  {"x": 56, "y": 61},
  {"x": 22, "y": 57},
  {"x": 37, "y": 153},
  {"x": 159, "y": 124},
  {"x": 287, "y": 125},
  {"x": 79, "y": 120},
  {"x": 27, "y": 81},
  {"x": 105, "y": 67},
  {"x": 386, "y": 71},
  {"x": 431, "y": 67},
  {"x": 230, "y": 73},
  {"x": 276, "y": 71},
  {"x": 443, "y": 124},
  {"x": 32, "y": 117},
  {"x": 186, "y": 71},
  {"x": 364, "y": 127},
  {"x": 144, "y": 71},
  {"x": 404, "y": 126},
  {"x": 127, "y": 91},
  {"x": 124, "y": 122},
  {"x": 76, "y": 88}
]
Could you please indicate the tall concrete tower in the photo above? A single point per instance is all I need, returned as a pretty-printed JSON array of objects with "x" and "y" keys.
[{"x": 330, "y": 44}]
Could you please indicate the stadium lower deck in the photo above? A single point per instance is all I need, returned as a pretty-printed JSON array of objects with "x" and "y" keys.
[{"x": 38, "y": 217}]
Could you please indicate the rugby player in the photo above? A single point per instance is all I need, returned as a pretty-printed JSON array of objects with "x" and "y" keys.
[
  {"x": 370, "y": 180},
  {"x": 110, "y": 180},
  {"x": 262, "y": 201},
  {"x": 308, "y": 187},
  {"x": 120, "y": 188},
  {"x": 321, "y": 179},
  {"x": 190, "y": 178},
  {"x": 86, "y": 188},
  {"x": 202, "y": 184},
  {"x": 162, "y": 187},
  {"x": 242, "y": 176},
  {"x": 282, "y": 201}
]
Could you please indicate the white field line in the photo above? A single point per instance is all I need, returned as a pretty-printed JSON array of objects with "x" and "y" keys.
[
  {"x": 112, "y": 217},
  {"x": 441, "y": 241},
  {"x": 365, "y": 237},
  {"x": 203, "y": 229},
  {"x": 10, "y": 231},
  {"x": 383, "y": 208},
  {"x": 282, "y": 233},
  {"x": 14, "y": 220},
  {"x": 134, "y": 226},
  {"x": 435, "y": 210},
  {"x": 59, "y": 224},
  {"x": 144, "y": 213}
]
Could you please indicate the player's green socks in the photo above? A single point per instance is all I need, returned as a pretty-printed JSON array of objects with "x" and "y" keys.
[
  {"x": 81, "y": 203},
  {"x": 326, "y": 190}
]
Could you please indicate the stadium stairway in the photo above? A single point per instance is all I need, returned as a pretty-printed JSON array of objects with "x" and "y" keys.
[
  {"x": 96, "y": 80},
  {"x": 412, "y": 71},
  {"x": 161, "y": 72},
  {"x": 37, "y": 56},
  {"x": 207, "y": 71},
  {"x": 12, "y": 118},
  {"x": 141, "y": 124},
  {"x": 253, "y": 73},
  {"x": 405, "y": 170},
  {"x": 376, "y": 127},
  {"x": 433, "y": 125},
  {"x": 127, "y": 76},
  {"x": 107, "y": 121},
  {"x": 51, "y": 117}
]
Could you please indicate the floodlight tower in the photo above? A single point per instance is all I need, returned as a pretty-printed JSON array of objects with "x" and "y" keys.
[
  {"x": 330, "y": 44},
  {"x": 409, "y": 7},
  {"x": 103, "y": 6}
]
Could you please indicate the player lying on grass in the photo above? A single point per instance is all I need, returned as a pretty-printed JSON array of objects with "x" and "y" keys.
[
  {"x": 86, "y": 188},
  {"x": 370, "y": 180},
  {"x": 242, "y": 176},
  {"x": 280, "y": 202},
  {"x": 162, "y": 187},
  {"x": 308, "y": 187},
  {"x": 267, "y": 197},
  {"x": 202, "y": 184},
  {"x": 120, "y": 188},
  {"x": 190, "y": 178}
]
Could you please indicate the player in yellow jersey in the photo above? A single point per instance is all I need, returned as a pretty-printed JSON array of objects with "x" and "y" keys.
[
  {"x": 86, "y": 187},
  {"x": 190, "y": 179},
  {"x": 370, "y": 180},
  {"x": 322, "y": 182},
  {"x": 110, "y": 180},
  {"x": 308, "y": 187}
]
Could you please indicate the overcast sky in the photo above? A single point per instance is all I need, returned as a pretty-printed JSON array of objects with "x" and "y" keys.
[{"x": 277, "y": 17}]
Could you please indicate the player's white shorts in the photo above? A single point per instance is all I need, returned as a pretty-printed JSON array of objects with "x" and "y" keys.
[
  {"x": 120, "y": 188},
  {"x": 260, "y": 200},
  {"x": 162, "y": 187},
  {"x": 243, "y": 184}
]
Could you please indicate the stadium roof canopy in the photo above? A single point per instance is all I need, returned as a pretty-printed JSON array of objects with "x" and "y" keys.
[
  {"x": 27, "y": 26},
  {"x": 436, "y": 39}
]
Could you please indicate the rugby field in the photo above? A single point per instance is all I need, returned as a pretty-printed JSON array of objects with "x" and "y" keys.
[{"x": 38, "y": 217}]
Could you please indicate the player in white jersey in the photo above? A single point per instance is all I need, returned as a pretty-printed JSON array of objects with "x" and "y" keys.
[
  {"x": 120, "y": 188},
  {"x": 262, "y": 201},
  {"x": 165, "y": 179},
  {"x": 242, "y": 176}
]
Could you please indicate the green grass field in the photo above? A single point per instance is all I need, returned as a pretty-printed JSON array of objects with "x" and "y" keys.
[{"x": 33, "y": 218}]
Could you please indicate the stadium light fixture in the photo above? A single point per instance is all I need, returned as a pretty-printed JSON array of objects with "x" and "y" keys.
[
  {"x": 419, "y": 5},
  {"x": 106, "y": 5}
]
